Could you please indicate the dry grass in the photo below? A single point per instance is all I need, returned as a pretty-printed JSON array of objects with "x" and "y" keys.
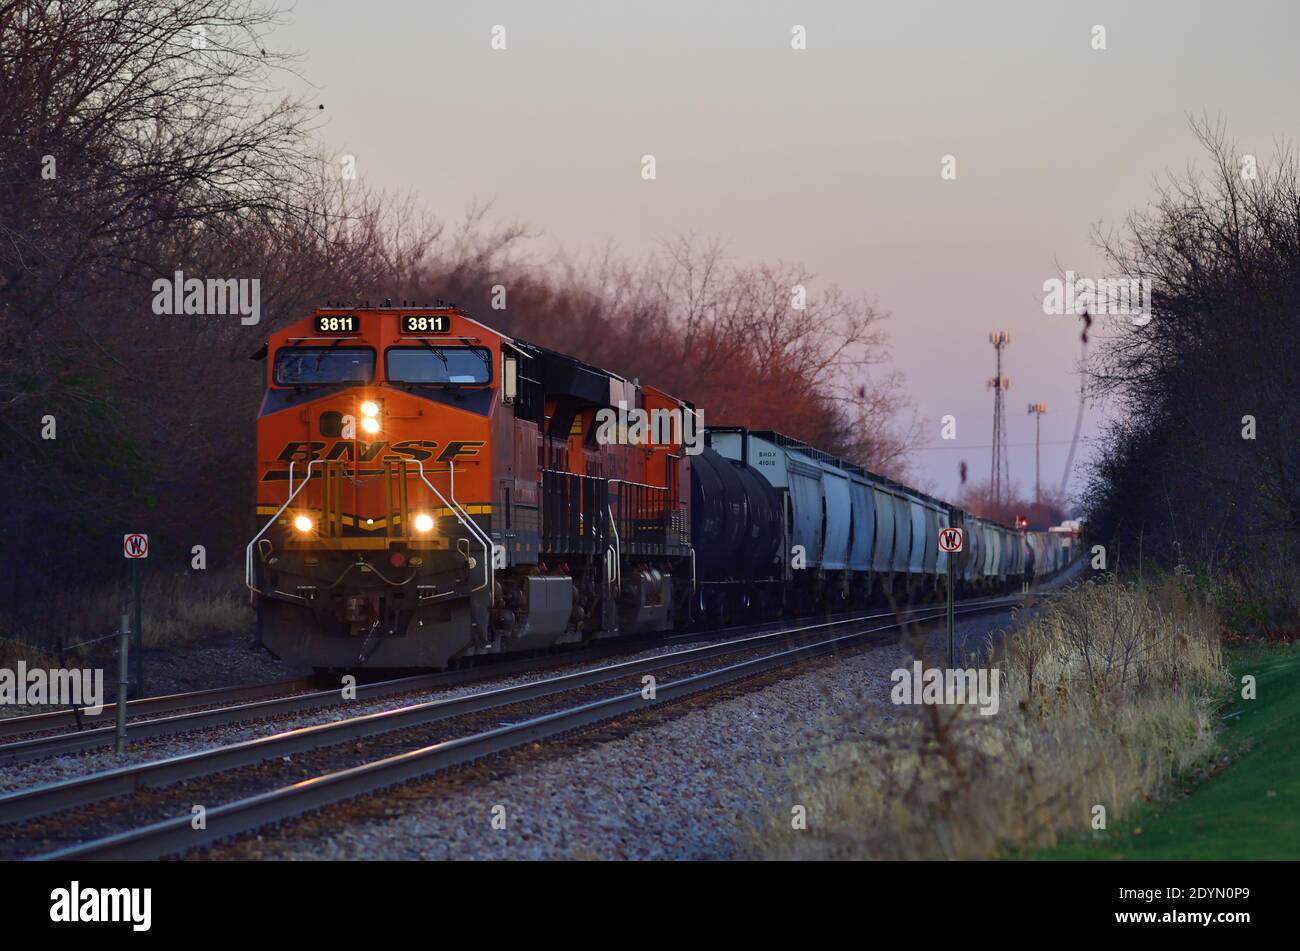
[
  {"x": 13, "y": 651},
  {"x": 1105, "y": 696},
  {"x": 178, "y": 609}
]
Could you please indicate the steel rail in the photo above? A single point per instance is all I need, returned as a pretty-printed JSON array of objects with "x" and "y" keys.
[
  {"x": 41, "y": 747},
  {"x": 243, "y": 815},
  {"x": 64, "y": 743},
  {"x": 47, "y": 798},
  {"x": 61, "y": 719}
]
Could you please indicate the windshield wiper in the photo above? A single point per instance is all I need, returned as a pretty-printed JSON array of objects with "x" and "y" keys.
[{"x": 441, "y": 356}]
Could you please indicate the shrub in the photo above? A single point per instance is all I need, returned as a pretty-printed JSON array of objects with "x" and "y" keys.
[{"x": 1107, "y": 693}]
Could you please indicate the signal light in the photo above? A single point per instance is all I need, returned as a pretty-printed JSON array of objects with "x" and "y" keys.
[
  {"x": 303, "y": 524},
  {"x": 423, "y": 523}
]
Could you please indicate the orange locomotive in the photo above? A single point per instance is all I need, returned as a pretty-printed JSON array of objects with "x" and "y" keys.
[{"x": 430, "y": 489}]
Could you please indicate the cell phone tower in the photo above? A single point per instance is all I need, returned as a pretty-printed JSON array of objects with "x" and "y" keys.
[{"x": 1000, "y": 478}]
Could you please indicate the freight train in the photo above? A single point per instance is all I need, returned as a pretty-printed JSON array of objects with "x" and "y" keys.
[{"x": 429, "y": 489}]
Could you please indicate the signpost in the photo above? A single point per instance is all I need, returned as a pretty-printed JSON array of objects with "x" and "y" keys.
[
  {"x": 951, "y": 541},
  {"x": 123, "y": 684},
  {"x": 135, "y": 548}
]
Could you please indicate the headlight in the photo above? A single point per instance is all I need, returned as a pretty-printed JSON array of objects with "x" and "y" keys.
[
  {"x": 370, "y": 424},
  {"x": 423, "y": 523},
  {"x": 303, "y": 523},
  {"x": 369, "y": 408}
]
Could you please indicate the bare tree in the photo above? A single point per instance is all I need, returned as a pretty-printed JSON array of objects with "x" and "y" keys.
[
  {"x": 1203, "y": 460},
  {"x": 138, "y": 137}
]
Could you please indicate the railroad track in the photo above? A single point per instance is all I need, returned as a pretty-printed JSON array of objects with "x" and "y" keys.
[
  {"x": 60, "y": 744},
  {"x": 226, "y": 705},
  {"x": 147, "y": 706},
  {"x": 247, "y": 812},
  {"x": 206, "y": 709}
]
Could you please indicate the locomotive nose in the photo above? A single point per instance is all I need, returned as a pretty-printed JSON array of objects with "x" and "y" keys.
[{"x": 351, "y": 417}]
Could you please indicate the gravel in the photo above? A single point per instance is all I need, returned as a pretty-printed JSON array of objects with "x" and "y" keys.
[
  {"x": 685, "y": 782},
  {"x": 226, "y": 661}
]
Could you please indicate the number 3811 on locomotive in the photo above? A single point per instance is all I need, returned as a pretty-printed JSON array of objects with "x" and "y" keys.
[{"x": 430, "y": 489}]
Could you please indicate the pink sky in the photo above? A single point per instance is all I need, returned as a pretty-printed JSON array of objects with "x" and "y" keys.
[{"x": 829, "y": 156}]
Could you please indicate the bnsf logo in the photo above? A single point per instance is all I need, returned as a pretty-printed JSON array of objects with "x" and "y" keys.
[{"x": 353, "y": 451}]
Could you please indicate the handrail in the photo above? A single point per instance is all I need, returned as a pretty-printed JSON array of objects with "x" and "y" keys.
[
  {"x": 639, "y": 485},
  {"x": 471, "y": 526},
  {"x": 489, "y": 548},
  {"x": 293, "y": 493},
  {"x": 618, "y": 548}
]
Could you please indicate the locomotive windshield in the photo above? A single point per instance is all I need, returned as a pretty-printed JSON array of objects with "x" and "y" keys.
[
  {"x": 438, "y": 365},
  {"x": 312, "y": 366}
]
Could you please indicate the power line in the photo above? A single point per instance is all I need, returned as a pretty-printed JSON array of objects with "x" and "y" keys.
[{"x": 1009, "y": 445}]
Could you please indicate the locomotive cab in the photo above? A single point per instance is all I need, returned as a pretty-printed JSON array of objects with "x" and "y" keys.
[{"x": 374, "y": 498}]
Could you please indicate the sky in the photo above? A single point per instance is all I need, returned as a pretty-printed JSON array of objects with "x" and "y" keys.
[{"x": 829, "y": 156}]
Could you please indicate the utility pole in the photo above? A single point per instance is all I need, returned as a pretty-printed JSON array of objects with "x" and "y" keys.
[
  {"x": 1000, "y": 478},
  {"x": 1038, "y": 409}
]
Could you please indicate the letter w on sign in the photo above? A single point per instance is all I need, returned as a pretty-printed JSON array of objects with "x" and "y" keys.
[{"x": 950, "y": 540}]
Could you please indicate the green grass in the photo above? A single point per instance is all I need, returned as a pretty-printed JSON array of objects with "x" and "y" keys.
[{"x": 1246, "y": 809}]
